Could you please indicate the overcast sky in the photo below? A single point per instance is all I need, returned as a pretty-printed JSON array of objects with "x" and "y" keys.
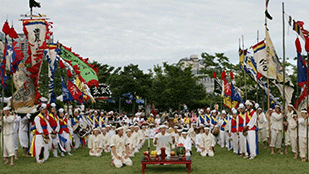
[{"x": 149, "y": 32}]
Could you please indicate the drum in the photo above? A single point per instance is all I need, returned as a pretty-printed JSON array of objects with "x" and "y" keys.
[
  {"x": 53, "y": 136},
  {"x": 216, "y": 131}
]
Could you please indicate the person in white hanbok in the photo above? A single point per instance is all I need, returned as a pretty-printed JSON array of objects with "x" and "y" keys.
[
  {"x": 131, "y": 142},
  {"x": 207, "y": 143},
  {"x": 163, "y": 144},
  {"x": 16, "y": 130},
  {"x": 95, "y": 143},
  {"x": 302, "y": 128},
  {"x": 23, "y": 133},
  {"x": 186, "y": 141},
  {"x": 152, "y": 131},
  {"x": 8, "y": 135},
  {"x": 120, "y": 149},
  {"x": 198, "y": 139},
  {"x": 106, "y": 141}
]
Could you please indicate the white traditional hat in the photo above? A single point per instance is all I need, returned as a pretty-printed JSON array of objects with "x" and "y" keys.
[
  {"x": 43, "y": 106},
  {"x": 76, "y": 110},
  {"x": 223, "y": 112},
  {"x": 248, "y": 103},
  {"x": 259, "y": 109},
  {"x": 96, "y": 129},
  {"x": 256, "y": 105},
  {"x": 304, "y": 111},
  {"x": 206, "y": 128},
  {"x": 61, "y": 110},
  {"x": 208, "y": 109},
  {"x": 234, "y": 111},
  {"x": 290, "y": 105},
  {"x": 119, "y": 128},
  {"x": 162, "y": 126},
  {"x": 128, "y": 130},
  {"x": 53, "y": 105},
  {"x": 241, "y": 106}
]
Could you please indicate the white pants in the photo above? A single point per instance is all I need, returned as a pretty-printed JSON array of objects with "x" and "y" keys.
[
  {"x": 235, "y": 141},
  {"x": 15, "y": 141},
  {"x": 251, "y": 138},
  {"x": 208, "y": 152},
  {"x": 23, "y": 139},
  {"x": 242, "y": 144},
  {"x": 302, "y": 147},
  {"x": 119, "y": 163},
  {"x": 66, "y": 145},
  {"x": 224, "y": 137},
  {"x": 8, "y": 145},
  {"x": 262, "y": 134},
  {"x": 54, "y": 144},
  {"x": 39, "y": 144},
  {"x": 276, "y": 138},
  {"x": 76, "y": 140}
]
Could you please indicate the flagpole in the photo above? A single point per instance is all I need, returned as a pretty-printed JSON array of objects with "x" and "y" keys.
[
  {"x": 243, "y": 48},
  {"x": 283, "y": 55},
  {"x": 257, "y": 89}
]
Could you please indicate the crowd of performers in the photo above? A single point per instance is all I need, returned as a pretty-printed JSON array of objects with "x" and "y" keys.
[{"x": 238, "y": 130}]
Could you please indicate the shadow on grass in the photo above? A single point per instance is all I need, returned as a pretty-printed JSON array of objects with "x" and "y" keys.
[{"x": 174, "y": 168}]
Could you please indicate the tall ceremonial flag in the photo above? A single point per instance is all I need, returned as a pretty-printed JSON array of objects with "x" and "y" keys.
[
  {"x": 3, "y": 67},
  {"x": 67, "y": 96},
  {"x": 37, "y": 32},
  {"x": 85, "y": 72},
  {"x": 301, "y": 65},
  {"x": 266, "y": 11},
  {"x": 275, "y": 68},
  {"x": 227, "y": 100},
  {"x": 33, "y": 3},
  {"x": 52, "y": 59},
  {"x": 260, "y": 58}
]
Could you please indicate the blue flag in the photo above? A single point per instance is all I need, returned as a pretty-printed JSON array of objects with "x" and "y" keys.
[
  {"x": 67, "y": 96},
  {"x": 302, "y": 70},
  {"x": 235, "y": 94}
]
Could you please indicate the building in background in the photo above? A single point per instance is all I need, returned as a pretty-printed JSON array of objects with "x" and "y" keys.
[{"x": 197, "y": 66}]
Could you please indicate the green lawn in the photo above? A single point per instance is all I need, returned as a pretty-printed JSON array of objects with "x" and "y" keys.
[{"x": 223, "y": 162}]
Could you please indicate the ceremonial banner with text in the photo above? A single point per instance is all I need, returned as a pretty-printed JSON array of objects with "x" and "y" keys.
[
  {"x": 85, "y": 72},
  {"x": 52, "y": 59}
]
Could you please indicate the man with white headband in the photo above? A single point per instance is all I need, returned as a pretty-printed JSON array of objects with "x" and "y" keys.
[
  {"x": 276, "y": 130},
  {"x": 251, "y": 118},
  {"x": 290, "y": 130},
  {"x": 65, "y": 132},
  {"x": 241, "y": 121},
  {"x": 166, "y": 144},
  {"x": 120, "y": 149},
  {"x": 8, "y": 135},
  {"x": 207, "y": 143},
  {"x": 262, "y": 125},
  {"x": 42, "y": 137},
  {"x": 106, "y": 140},
  {"x": 186, "y": 141},
  {"x": 233, "y": 131},
  {"x": 95, "y": 143},
  {"x": 53, "y": 121}
]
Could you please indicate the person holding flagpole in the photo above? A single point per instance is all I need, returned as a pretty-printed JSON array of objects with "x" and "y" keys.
[
  {"x": 250, "y": 127},
  {"x": 8, "y": 135}
]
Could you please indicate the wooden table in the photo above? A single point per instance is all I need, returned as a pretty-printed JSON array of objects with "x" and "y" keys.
[{"x": 167, "y": 161}]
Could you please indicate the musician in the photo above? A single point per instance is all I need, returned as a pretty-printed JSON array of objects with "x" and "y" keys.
[
  {"x": 240, "y": 120},
  {"x": 150, "y": 119},
  {"x": 207, "y": 116},
  {"x": 233, "y": 131},
  {"x": 65, "y": 131},
  {"x": 42, "y": 138},
  {"x": 223, "y": 123},
  {"x": 276, "y": 130},
  {"x": 207, "y": 143},
  {"x": 95, "y": 143},
  {"x": 102, "y": 120},
  {"x": 53, "y": 121},
  {"x": 120, "y": 149},
  {"x": 214, "y": 125},
  {"x": 289, "y": 120},
  {"x": 23, "y": 133},
  {"x": 96, "y": 121},
  {"x": 251, "y": 119},
  {"x": 76, "y": 121},
  {"x": 8, "y": 135}
]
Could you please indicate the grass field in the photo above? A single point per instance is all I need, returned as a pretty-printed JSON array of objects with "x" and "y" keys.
[{"x": 223, "y": 162}]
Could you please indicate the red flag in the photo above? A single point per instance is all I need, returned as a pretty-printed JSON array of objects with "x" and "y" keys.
[
  {"x": 258, "y": 75},
  {"x": 232, "y": 75},
  {"x": 227, "y": 88},
  {"x": 223, "y": 75},
  {"x": 13, "y": 33},
  {"x": 77, "y": 95},
  {"x": 61, "y": 64},
  {"x": 298, "y": 46},
  {"x": 69, "y": 73},
  {"x": 214, "y": 75},
  {"x": 6, "y": 28}
]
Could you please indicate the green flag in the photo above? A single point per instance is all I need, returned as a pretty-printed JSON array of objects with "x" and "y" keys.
[{"x": 84, "y": 71}]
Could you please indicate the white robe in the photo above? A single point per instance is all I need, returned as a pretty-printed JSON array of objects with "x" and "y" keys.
[
  {"x": 166, "y": 144},
  {"x": 207, "y": 141},
  {"x": 120, "y": 148},
  {"x": 95, "y": 144},
  {"x": 23, "y": 132},
  {"x": 187, "y": 143},
  {"x": 8, "y": 136}
]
